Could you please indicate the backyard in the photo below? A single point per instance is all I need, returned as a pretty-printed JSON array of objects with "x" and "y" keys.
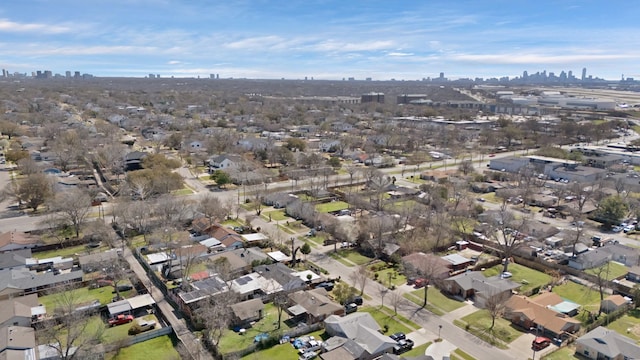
[
  {"x": 233, "y": 341},
  {"x": 528, "y": 278},
  {"x": 160, "y": 348},
  {"x": 613, "y": 270},
  {"x": 579, "y": 294},
  {"x": 332, "y": 206},
  {"x": 79, "y": 296},
  {"x": 628, "y": 325},
  {"x": 282, "y": 351}
]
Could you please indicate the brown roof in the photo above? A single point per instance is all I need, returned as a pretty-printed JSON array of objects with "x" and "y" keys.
[
  {"x": 247, "y": 309},
  {"x": 616, "y": 299},
  {"x": 200, "y": 224},
  {"x": 316, "y": 302},
  {"x": 547, "y": 299},
  {"x": 18, "y": 306},
  {"x": 18, "y": 238},
  {"x": 540, "y": 315},
  {"x": 192, "y": 250}
]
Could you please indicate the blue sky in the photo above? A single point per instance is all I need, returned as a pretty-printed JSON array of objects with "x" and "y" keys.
[{"x": 324, "y": 39}]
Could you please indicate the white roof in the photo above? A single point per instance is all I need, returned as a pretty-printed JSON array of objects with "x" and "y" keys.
[
  {"x": 118, "y": 307},
  {"x": 303, "y": 275},
  {"x": 141, "y": 301},
  {"x": 279, "y": 256},
  {"x": 157, "y": 258},
  {"x": 254, "y": 237},
  {"x": 211, "y": 242}
]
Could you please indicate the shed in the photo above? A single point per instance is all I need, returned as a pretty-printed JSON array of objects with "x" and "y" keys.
[{"x": 118, "y": 307}]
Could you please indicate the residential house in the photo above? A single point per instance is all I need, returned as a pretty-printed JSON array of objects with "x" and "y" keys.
[
  {"x": 229, "y": 238},
  {"x": 364, "y": 340},
  {"x": 528, "y": 314},
  {"x": 612, "y": 252},
  {"x": 284, "y": 275},
  {"x": 195, "y": 145},
  {"x": 247, "y": 311},
  {"x": 634, "y": 274},
  {"x": 329, "y": 145},
  {"x": 554, "y": 302},
  {"x": 457, "y": 262},
  {"x": 20, "y": 311},
  {"x": 417, "y": 263},
  {"x": 254, "y": 285},
  {"x": 224, "y": 162},
  {"x": 18, "y": 342},
  {"x": 279, "y": 200},
  {"x": 613, "y": 303},
  {"x": 133, "y": 160},
  {"x": 14, "y": 259},
  {"x": 14, "y": 240},
  {"x": 93, "y": 262},
  {"x": 473, "y": 284},
  {"x": 201, "y": 225},
  {"x": 15, "y": 282},
  {"x": 313, "y": 305},
  {"x": 200, "y": 290},
  {"x": 254, "y": 144},
  {"x": 602, "y": 343}
]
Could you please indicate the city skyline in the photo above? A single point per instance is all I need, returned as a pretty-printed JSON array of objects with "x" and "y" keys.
[{"x": 320, "y": 39}]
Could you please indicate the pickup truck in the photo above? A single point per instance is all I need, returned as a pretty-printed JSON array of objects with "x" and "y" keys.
[{"x": 120, "y": 319}]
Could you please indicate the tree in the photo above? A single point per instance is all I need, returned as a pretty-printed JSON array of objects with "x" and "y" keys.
[
  {"x": 116, "y": 270},
  {"x": 343, "y": 292},
  {"x": 9, "y": 128},
  {"x": 496, "y": 306},
  {"x": 574, "y": 237},
  {"x": 602, "y": 277},
  {"x": 395, "y": 299},
  {"x": 280, "y": 300},
  {"x": 305, "y": 249},
  {"x": 215, "y": 315},
  {"x": 611, "y": 210},
  {"x": 35, "y": 190},
  {"x": 360, "y": 277},
  {"x": 73, "y": 207},
  {"x": 505, "y": 230},
  {"x": 295, "y": 144},
  {"x": 221, "y": 178},
  {"x": 212, "y": 208},
  {"x": 73, "y": 330}
]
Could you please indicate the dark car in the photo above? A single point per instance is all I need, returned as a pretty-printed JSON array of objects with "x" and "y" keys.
[
  {"x": 398, "y": 336},
  {"x": 350, "y": 308},
  {"x": 357, "y": 300},
  {"x": 403, "y": 346},
  {"x": 327, "y": 285}
]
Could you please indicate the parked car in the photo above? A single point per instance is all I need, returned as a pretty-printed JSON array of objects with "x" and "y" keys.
[
  {"x": 421, "y": 282},
  {"x": 629, "y": 228},
  {"x": 327, "y": 285},
  {"x": 540, "y": 343},
  {"x": 617, "y": 229},
  {"x": 357, "y": 300},
  {"x": 398, "y": 336},
  {"x": 403, "y": 346},
  {"x": 506, "y": 275},
  {"x": 142, "y": 326},
  {"x": 350, "y": 308},
  {"x": 120, "y": 319},
  {"x": 308, "y": 355}
]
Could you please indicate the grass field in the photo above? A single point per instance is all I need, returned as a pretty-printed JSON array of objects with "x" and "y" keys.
[
  {"x": 615, "y": 270},
  {"x": 397, "y": 279},
  {"x": 628, "y": 325},
  {"x": 579, "y": 294},
  {"x": 352, "y": 256},
  {"x": 565, "y": 353},
  {"x": 459, "y": 354},
  {"x": 385, "y": 317},
  {"x": 528, "y": 278},
  {"x": 437, "y": 302},
  {"x": 69, "y": 251},
  {"x": 416, "y": 351},
  {"x": 332, "y": 206},
  {"x": 275, "y": 215},
  {"x": 232, "y": 341},
  {"x": 160, "y": 348},
  {"x": 479, "y": 322},
  {"x": 80, "y": 296}
]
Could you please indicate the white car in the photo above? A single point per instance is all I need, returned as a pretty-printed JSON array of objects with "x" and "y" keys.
[{"x": 506, "y": 275}]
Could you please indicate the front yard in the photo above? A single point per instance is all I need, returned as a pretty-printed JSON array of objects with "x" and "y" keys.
[
  {"x": 332, "y": 206},
  {"x": 437, "y": 302},
  {"x": 384, "y": 316},
  {"x": 478, "y": 324},
  {"x": 351, "y": 256},
  {"x": 527, "y": 278}
]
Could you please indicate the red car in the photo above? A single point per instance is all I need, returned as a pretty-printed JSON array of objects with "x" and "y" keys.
[
  {"x": 120, "y": 319},
  {"x": 421, "y": 282},
  {"x": 492, "y": 155},
  {"x": 540, "y": 343}
]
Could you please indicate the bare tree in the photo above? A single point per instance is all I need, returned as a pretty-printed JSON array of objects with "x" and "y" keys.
[
  {"x": 215, "y": 314},
  {"x": 360, "y": 277},
  {"x": 505, "y": 230},
  {"x": 496, "y": 306},
  {"x": 73, "y": 330},
  {"x": 73, "y": 207},
  {"x": 574, "y": 237},
  {"x": 395, "y": 297},
  {"x": 602, "y": 277},
  {"x": 212, "y": 208},
  {"x": 382, "y": 291}
]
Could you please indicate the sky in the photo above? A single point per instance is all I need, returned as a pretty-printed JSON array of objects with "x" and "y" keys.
[{"x": 321, "y": 39}]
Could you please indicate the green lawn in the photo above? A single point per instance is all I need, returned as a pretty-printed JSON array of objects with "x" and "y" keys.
[
  {"x": 417, "y": 351},
  {"x": 436, "y": 299},
  {"x": 276, "y": 215},
  {"x": 232, "y": 222},
  {"x": 232, "y": 341},
  {"x": 397, "y": 279},
  {"x": 528, "y": 278},
  {"x": 315, "y": 241},
  {"x": 332, "y": 206},
  {"x": 282, "y": 351},
  {"x": 160, "y": 348},
  {"x": 113, "y": 334},
  {"x": 385, "y": 317},
  {"x": 579, "y": 294},
  {"x": 351, "y": 255},
  {"x": 81, "y": 296},
  {"x": 628, "y": 325},
  {"x": 183, "y": 191},
  {"x": 478, "y": 323},
  {"x": 614, "y": 271},
  {"x": 69, "y": 251},
  {"x": 565, "y": 353},
  {"x": 459, "y": 354}
]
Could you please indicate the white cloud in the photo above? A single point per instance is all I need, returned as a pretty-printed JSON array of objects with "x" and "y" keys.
[
  {"x": 400, "y": 54},
  {"x": 7, "y": 25},
  {"x": 174, "y": 62},
  {"x": 538, "y": 58}
]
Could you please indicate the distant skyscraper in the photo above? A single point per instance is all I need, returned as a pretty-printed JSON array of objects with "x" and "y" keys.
[
  {"x": 4, "y": 73},
  {"x": 76, "y": 74},
  {"x": 441, "y": 76},
  {"x": 584, "y": 74},
  {"x": 525, "y": 74},
  {"x": 67, "y": 74}
]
